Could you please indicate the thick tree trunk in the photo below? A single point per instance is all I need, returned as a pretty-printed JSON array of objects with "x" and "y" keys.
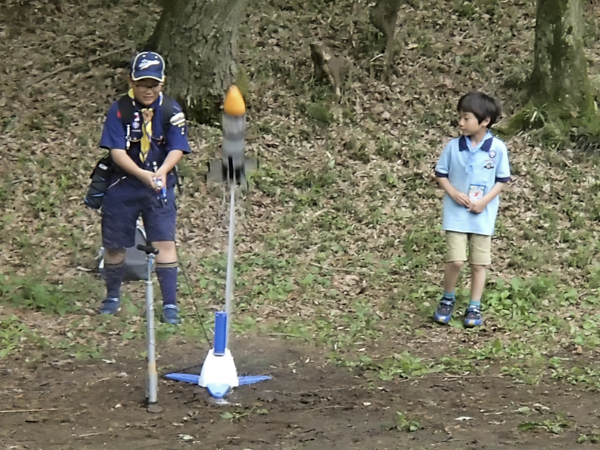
[
  {"x": 198, "y": 39},
  {"x": 560, "y": 79}
]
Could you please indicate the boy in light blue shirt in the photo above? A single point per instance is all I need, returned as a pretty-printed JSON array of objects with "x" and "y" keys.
[{"x": 473, "y": 169}]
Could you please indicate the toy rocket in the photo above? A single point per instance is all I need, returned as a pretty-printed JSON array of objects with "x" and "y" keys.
[{"x": 233, "y": 165}]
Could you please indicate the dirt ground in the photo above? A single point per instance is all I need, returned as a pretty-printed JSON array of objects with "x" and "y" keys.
[{"x": 309, "y": 404}]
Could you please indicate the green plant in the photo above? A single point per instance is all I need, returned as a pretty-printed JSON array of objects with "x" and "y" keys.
[
  {"x": 403, "y": 365},
  {"x": 551, "y": 426},
  {"x": 320, "y": 113},
  {"x": 403, "y": 423},
  {"x": 592, "y": 438}
]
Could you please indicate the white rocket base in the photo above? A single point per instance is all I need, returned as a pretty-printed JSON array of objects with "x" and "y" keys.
[{"x": 218, "y": 373}]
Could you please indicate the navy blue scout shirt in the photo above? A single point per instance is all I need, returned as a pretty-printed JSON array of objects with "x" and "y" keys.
[
  {"x": 473, "y": 171},
  {"x": 114, "y": 136}
]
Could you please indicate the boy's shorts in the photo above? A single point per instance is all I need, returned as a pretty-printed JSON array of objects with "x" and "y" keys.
[
  {"x": 479, "y": 248},
  {"x": 121, "y": 210}
]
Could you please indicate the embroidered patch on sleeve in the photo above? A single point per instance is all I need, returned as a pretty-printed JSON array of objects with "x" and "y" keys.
[{"x": 178, "y": 119}]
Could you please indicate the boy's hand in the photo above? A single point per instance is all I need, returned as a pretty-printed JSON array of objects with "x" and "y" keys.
[
  {"x": 461, "y": 198},
  {"x": 160, "y": 180},
  {"x": 148, "y": 178},
  {"x": 477, "y": 207}
]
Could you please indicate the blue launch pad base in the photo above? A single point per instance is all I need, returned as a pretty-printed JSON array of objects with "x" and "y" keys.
[{"x": 194, "y": 379}]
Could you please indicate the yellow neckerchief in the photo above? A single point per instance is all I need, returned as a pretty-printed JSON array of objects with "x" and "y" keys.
[{"x": 147, "y": 114}]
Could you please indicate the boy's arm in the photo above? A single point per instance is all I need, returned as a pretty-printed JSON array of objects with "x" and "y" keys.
[
  {"x": 177, "y": 143},
  {"x": 459, "y": 197},
  {"x": 442, "y": 169},
  {"x": 122, "y": 159},
  {"x": 114, "y": 139},
  {"x": 173, "y": 157},
  {"x": 480, "y": 205}
]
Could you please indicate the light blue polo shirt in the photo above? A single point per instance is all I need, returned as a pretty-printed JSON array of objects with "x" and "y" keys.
[{"x": 474, "y": 171}]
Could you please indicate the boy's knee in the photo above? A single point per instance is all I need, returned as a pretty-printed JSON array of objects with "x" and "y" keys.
[
  {"x": 476, "y": 268},
  {"x": 457, "y": 265},
  {"x": 114, "y": 255},
  {"x": 164, "y": 245}
]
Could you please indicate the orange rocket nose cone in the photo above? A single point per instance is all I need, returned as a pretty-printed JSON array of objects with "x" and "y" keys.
[{"x": 234, "y": 102}]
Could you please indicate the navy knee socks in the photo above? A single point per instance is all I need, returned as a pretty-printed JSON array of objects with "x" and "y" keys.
[
  {"x": 167, "y": 279},
  {"x": 114, "y": 278}
]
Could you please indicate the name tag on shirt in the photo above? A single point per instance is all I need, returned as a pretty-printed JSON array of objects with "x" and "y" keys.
[{"x": 476, "y": 192}]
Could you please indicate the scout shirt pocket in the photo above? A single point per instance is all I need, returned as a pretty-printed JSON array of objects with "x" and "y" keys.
[
  {"x": 478, "y": 189},
  {"x": 476, "y": 192}
]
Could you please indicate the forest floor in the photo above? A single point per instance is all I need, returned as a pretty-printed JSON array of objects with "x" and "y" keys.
[{"x": 339, "y": 247}]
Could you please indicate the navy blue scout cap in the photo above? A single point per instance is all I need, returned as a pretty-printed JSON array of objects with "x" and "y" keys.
[{"x": 148, "y": 65}]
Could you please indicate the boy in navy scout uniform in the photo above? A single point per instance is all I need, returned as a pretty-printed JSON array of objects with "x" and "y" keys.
[
  {"x": 145, "y": 155},
  {"x": 473, "y": 169}
]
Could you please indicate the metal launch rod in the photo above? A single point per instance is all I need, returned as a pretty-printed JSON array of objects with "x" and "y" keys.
[{"x": 229, "y": 283}]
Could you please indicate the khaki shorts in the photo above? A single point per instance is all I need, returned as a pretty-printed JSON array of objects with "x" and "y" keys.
[{"x": 479, "y": 248}]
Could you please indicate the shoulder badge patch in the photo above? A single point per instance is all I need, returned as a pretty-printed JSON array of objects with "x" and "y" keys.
[{"x": 178, "y": 119}]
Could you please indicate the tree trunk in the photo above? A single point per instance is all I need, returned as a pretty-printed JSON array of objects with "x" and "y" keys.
[
  {"x": 559, "y": 81},
  {"x": 198, "y": 39},
  {"x": 383, "y": 16}
]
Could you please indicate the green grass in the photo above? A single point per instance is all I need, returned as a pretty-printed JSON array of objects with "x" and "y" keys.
[{"x": 14, "y": 336}]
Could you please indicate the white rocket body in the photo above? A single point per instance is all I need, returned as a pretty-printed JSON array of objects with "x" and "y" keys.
[
  {"x": 234, "y": 146},
  {"x": 233, "y": 165}
]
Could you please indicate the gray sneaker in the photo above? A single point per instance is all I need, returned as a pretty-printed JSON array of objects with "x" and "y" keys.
[
  {"x": 171, "y": 315},
  {"x": 110, "y": 306}
]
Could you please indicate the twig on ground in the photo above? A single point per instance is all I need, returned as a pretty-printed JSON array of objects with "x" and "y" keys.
[
  {"x": 98, "y": 381},
  {"x": 88, "y": 435},
  {"x": 79, "y": 64},
  {"x": 339, "y": 388},
  {"x": 283, "y": 335},
  {"x": 15, "y": 411},
  {"x": 341, "y": 269},
  {"x": 458, "y": 377},
  {"x": 323, "y": 407}
]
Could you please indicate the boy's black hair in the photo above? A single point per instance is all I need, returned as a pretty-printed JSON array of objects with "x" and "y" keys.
[{"x": 481, "y": 106}]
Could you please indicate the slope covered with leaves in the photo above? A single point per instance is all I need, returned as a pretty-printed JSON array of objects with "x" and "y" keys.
[{"x": 339, "y": 240}]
